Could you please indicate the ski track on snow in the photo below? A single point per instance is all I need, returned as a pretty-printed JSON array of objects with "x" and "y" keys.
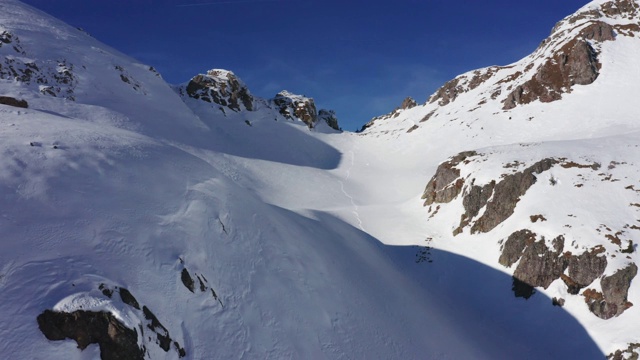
[{"x": 344, "y": 191}]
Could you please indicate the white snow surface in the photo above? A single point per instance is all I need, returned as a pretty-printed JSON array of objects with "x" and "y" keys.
[{"x": 308, "y": 237}]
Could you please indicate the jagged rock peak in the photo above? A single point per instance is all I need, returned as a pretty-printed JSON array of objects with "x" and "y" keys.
[
  {"x": 329, "y": 117},
  {"x": 408, "y": 103},
  {"x": 293, "y": 106},
  {"x": 221, "y": 87},
  {"x": 296, "y": 106}
]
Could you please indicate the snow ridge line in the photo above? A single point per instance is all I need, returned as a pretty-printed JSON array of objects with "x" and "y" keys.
[{"x": 353, "y": 203}]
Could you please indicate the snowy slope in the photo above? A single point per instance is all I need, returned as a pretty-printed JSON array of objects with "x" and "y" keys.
[
  {"x": 248, "y": 235},
  {"x": 590, "y": 131}
]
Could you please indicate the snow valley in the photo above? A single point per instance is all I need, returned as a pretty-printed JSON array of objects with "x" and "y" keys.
[{"x": 142, "y": 220}]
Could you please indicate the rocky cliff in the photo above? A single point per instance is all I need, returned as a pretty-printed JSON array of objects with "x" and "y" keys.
[{"x": 225, "y": 92}]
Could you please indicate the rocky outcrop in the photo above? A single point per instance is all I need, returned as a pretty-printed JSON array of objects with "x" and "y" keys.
[
  {"x": 445, "y": 185},
  {"x": 506, "y": 195},
  {"x": 7, "y": 100},
  {"x": 116, "y": 341},
  {"x": 474, "y": 199},
  {"x": 539, "y": 265},
  {"x": 55, "y": 79},
  {"x": 499, "y": 198},
  {"x": 221, "y": 87},
  {"x": 576, "y": 63},
  {"x": 296, "y": 106},
  {"x": 407, "y": 103},
  {"x": 329, "y": 117},
  {"x": 450, "y": 91},
  {"x": 202, "y": 285},
  {"x": 613, "y": 299},
  {"x": 514, "y": 246},
  {"x": 585, "y": 269},
  {"x": 632, "y": 352}
]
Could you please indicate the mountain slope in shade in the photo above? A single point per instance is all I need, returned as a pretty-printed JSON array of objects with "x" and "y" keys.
[{"x": 142, "y": 216}]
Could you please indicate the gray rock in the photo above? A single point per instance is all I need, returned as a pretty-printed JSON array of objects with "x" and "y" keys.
[
  {"x": 587, "y": 267},
  {"x": 515, "y": 245},
  {"x": 329, "y": 117},
  {"x": 613, "y": 300},
  {"x": 539, "y": 265},
  {"x": 474, "y": 200},
  {"x": 441, "y": 188},
  {"x": 506, "y": 195},
  {"x": 301, "y": 107},
  {"x": 221, "y": 87}
]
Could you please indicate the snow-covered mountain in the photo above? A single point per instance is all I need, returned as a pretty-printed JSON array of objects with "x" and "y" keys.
[{"x": 143, "y": 220}]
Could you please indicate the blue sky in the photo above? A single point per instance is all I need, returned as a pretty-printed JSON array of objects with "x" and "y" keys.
[{"x": 360, "y": 58}]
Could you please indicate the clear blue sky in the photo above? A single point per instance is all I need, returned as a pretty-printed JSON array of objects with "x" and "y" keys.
[{"x": 360, "y": 58}]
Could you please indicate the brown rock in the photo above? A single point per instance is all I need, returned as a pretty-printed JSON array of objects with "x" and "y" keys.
[
  {"x": 116, "y": 341},
  {"x": 441, "y": 188},
  {"x": 221, "y": 87},
  {"x": 598, "y": 31},
  {"x": 7, "y": 100},
  {"x": 506, "y": 195},
  {"x": 408, "y": 103},
  {"x": 301, "y": 107},
  {"x": 615, "y": 288},
  {"x": 576, "y": 63},
  {"x": 515, "y": 245},
  {"x": 587, "y": 267},
  {"x": 539, "y": 265}
]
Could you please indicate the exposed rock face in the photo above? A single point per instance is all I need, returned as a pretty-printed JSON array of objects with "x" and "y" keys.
[
  {"x": 539, "y": 265},
  {"x": 450, "y": 91},
  {"x": 515, "y": 245},
  {"x": 632, "y": 352},
  {"x": 329, "y": 117},
  {"x": 442, "y": 188},
  {"x": 407, "y": 103},
  {"x": 570, "y": 58},
  {"x": 53, "y": 78},
  {"x": 585, "y": 269},
  {"x": 7, "y": 100},
  {"x": 475, "y": 198},
  {"x": 575, "y": 64},
  {"x": 613, "y": 299},
  {"x": 598, "y": 31},
  {"x": 506, "y": 195},
  {"x": 447, "y": 184},
  {"x": 189, "y": 282},
  {"x": 221, "y": 87},
  {"x": 301, "y": 107},
  {"x": 116, "y": 341}
]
